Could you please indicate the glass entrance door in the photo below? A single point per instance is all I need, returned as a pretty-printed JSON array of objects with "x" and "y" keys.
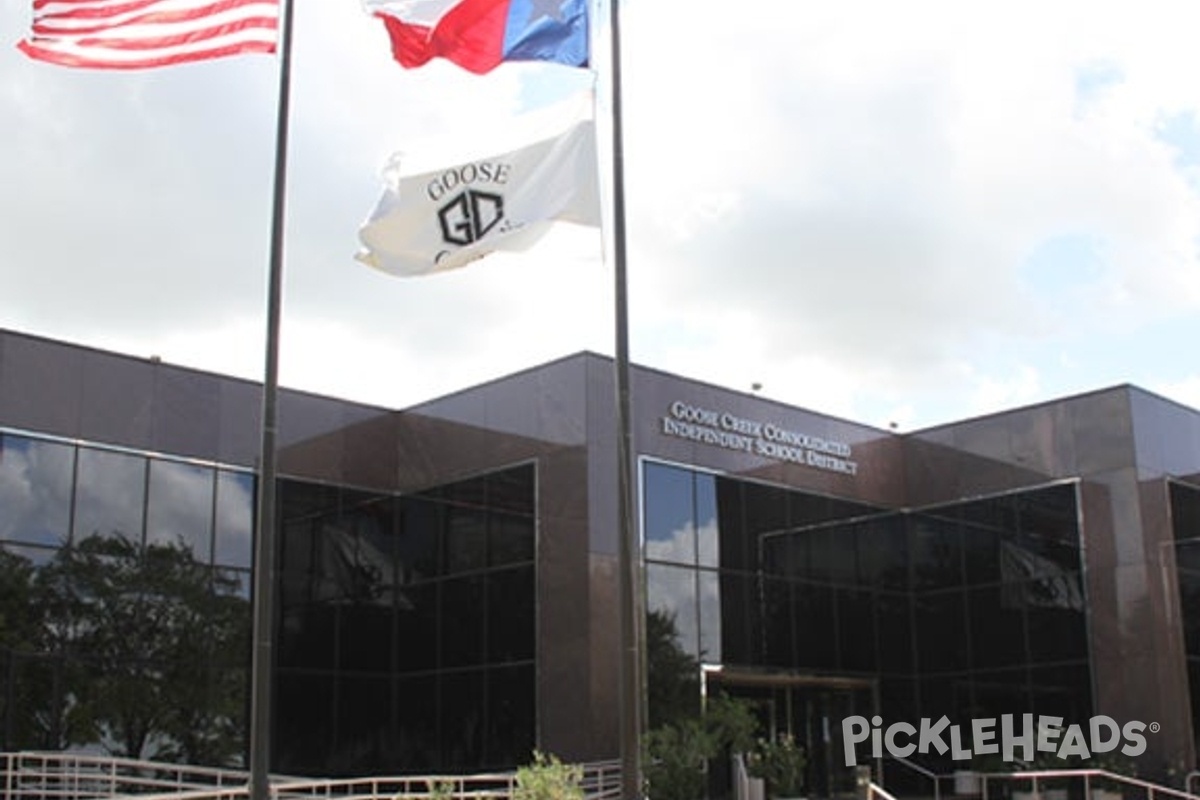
[{"x": 810, "y": 710}]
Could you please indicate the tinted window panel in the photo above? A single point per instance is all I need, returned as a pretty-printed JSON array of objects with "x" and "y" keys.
[
  {"x": 462, "y": 622},
  {"x": 707, "y": 530},
  {"x": 510, "y": 712},
  {"x": 466, "y": 539},
  {"x": 179, "y": 508},
  {"x": 420, "y": 539},
  {"x": 670, "y": 526},
  {"x": 709, "y": 598},
  {"x": 234, "y": 525},
  {"x": 462, "y": 719},
  {"x": 511, "y": 539},
  {"x": 110, "y": 495},
  {"x": 510, "y": 609},
  {"x": 671, "y": 593},
  {"x": 35, "y": 490}
]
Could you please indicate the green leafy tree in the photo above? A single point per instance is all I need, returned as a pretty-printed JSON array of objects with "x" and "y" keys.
[{"x": 144, "y": 625}]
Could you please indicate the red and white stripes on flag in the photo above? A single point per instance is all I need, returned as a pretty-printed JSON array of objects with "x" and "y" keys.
[{"x": 139, "y": 34}]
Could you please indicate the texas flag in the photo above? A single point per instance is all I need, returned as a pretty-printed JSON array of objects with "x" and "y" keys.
[{"x": 480, "y": 34}]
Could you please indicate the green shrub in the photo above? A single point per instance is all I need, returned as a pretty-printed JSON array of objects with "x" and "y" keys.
[
  {"x": 548, "y": 778},
  {"x": 781, "y": 763}
]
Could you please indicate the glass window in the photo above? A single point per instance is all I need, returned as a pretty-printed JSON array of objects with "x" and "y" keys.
[
  {"x": 466, "y": 539},
  {"x": 894, "y": 621},
  {"x": 777, "y": 623},
  {"x": 462, "y": 621},
  {"x": 856, "y": 630},
  {"x": 364, "y": 726},
  {"x": 709, "y": 594},
  {"x": 981, "y": 549},
  {"x": 511, "y": 539},
  {"x": 462, "y": 719},
  {"x": 365, "y": 637},
  {"x": 510, "y": 715},
  {"x": 304, "y": 708},
  {"x": 883, "y": 552},
  {"x": 110, "y": 493},
  {"x": 1062, "y": 691},
  {"x": 671, "y": 593},
  {"x": 1000, "y": 692},
  {"x": 417, "y": 749},
  {"x": 231, "y": 618},
  {"x": 1189, "y": 602},
  {"x": 21, "y": 617},
  {"x": 815, "y": 626},
  {"x": 1057, "y": 627},
  {"x": 740, "y": 634},
  {"x": 417, "y": 627},
  {"x": 35, "y": 490},
  {"x": 512, "y": 490},
  {"x": 941, "y": 632},
  {"x": 670, "y": 525},
  {"x": 471, "y": 492},
  {"x": 511, "y": 618},
  {"x": 1185, "y": 511},
  {"x": 179, "y": 508},
  {"x": 306, "y": 635},
  {"x": 420, "y": 536},
  {"x": 767, "y": 509},
  {"x": 936, "y": 549},
  {"x": 707, "y": 530},
  {"x": 997, "y": 628},
  {"x": 234, "y": 524}
]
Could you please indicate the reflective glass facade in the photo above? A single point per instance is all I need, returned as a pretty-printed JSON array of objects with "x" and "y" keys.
[
  {"x": 447, "y": 579},
  {"x": 968, "y": 610},
  {"x": 125, "y": 627},
  {"x": 407, "y": 627}
]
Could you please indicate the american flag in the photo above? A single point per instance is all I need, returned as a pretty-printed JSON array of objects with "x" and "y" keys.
[{"x": 140, "y": 34}]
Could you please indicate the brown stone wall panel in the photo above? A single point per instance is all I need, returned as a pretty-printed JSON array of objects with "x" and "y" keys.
[
  {"x": 1102, "y": 431},
  {"x": 605, "y": 644},
  {"x": 119, "y": 398},
  {"x": 186, "y": 413},
  {"x": 40, "y": 385}
]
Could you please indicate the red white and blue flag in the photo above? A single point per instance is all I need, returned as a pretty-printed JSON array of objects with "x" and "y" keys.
[
  {"x": 141, "y": 34},
  {"x": 478, "y": 35}
]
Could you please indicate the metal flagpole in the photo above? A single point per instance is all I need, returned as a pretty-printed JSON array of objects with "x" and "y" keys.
[
  {"x": 630, "y": 582},
  {"x": 264, "y": 551}
]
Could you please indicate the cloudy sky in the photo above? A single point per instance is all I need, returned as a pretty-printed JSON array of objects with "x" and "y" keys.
[{"x": 893, "y": 212}]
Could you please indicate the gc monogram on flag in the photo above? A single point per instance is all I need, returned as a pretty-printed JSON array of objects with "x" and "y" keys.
[{"x": 432, "y": 220}]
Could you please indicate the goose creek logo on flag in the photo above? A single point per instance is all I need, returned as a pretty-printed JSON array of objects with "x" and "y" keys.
[
  {"x": 435, "y": 220},
  {"x": 470, "y": 216}
]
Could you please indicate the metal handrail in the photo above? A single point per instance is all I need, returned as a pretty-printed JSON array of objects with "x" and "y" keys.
[
  {"x": 928, "y": 773},
  {"x": 1087, "y": 775},
  {"x": 875, "y": 790},
  {"x": 47, "y": 775}
]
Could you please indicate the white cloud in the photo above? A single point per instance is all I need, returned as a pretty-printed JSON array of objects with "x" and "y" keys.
[{"x": 839, "y": 201}]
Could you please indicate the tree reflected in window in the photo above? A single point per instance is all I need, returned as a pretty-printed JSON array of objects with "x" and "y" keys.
[{"x": 142, "y": 651}]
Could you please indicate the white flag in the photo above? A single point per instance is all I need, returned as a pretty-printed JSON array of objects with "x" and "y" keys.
[{"x": 440, "y": 219}]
